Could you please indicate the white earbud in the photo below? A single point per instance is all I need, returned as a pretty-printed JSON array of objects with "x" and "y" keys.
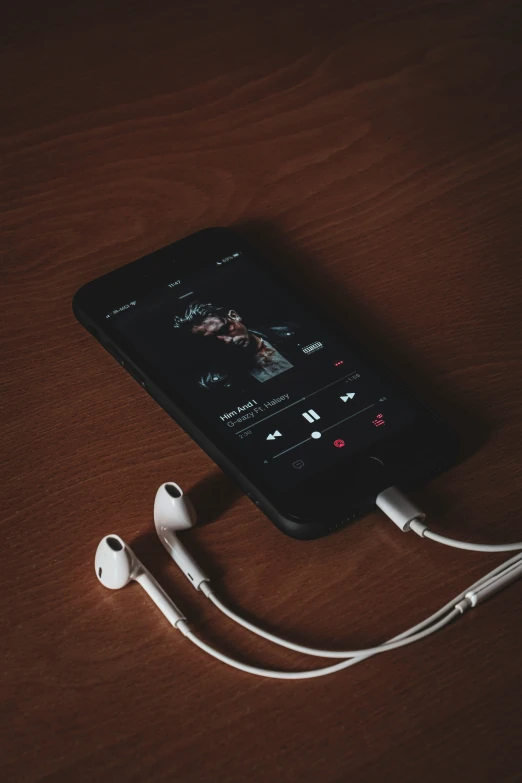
[
  {"x": 174, "y": 511},
  {"x": 116, "y": 565}
]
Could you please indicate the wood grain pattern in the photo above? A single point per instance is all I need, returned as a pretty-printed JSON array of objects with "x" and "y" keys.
[{"x": 375, "y": 149}]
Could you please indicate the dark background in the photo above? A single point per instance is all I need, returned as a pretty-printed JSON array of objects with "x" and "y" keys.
[{"x": 375, "y": 149}]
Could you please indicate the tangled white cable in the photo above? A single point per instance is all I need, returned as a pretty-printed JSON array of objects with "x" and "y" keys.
[
  {"x": 493, "y": 581},
  {"x": 116, "y": 565}
]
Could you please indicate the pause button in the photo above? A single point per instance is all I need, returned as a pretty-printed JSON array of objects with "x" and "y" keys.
[{"x": 311, "y": 416}]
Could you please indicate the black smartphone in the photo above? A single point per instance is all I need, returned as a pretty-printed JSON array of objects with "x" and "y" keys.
[{"x": 309, "y": 427}]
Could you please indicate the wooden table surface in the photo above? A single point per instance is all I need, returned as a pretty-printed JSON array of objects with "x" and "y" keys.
[{"x": 375, "y": 149}]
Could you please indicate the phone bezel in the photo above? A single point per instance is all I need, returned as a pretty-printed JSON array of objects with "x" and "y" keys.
[{"x": 331, "y": 497}]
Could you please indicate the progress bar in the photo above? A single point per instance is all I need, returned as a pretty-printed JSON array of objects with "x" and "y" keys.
[{"x": 291, "y": 448}]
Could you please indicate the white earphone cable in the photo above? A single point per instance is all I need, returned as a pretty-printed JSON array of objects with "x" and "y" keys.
[
  {"x": 279, "y": 675},
  {"x": 406, "y": 516},
  {"x": 500, "y": 570},
  {"x": 425, "y": 628},
  {"x": 424, "y": 532}
]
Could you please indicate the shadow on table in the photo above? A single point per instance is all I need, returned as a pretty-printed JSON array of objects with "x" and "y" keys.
[{"x": 212, "y": 497}]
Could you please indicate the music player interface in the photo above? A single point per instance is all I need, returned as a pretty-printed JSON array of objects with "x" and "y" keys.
[{"x": 262, "y": 371}]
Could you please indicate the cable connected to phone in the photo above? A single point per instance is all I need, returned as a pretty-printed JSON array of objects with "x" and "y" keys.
[
  {"x": 424, "y": 532},
  {"x": 173, "y": 511},
  {"x": 407, "y": 516},
  {"x": 116, "y": 565}
]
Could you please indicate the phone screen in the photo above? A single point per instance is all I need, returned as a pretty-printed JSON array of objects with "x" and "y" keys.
[{"x": 263, "y": 373}]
